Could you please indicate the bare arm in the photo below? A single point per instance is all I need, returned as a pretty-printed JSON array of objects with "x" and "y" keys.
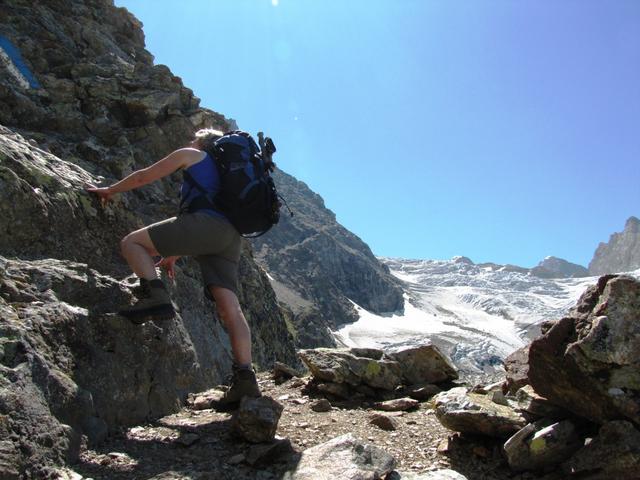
[{"x": 181, "y": 158}]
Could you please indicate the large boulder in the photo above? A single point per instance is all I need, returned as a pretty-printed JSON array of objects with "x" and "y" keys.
[
  {"x": 343, "y": 458},
  {"x": 374, "y": 368},
  {"x": 343, "y": 366},
  {"x": 589, "y": 362},
  {"x": 476, "y": 414},
  {"x": 423, "y": 364}
]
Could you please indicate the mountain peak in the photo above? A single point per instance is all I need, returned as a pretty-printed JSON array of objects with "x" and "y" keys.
[
  {"x": 554, "y": 267},
  {"x": 632, "y": 223}
]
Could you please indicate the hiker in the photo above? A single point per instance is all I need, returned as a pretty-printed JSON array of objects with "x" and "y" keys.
[{"x": 207, "y": 235}]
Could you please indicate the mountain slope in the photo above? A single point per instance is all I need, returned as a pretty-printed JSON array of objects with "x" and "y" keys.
[{"x": 317, "y": 267}]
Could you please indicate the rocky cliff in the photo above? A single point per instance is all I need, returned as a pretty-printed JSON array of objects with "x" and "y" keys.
[
  {"x": 81, "y": 101},
  {"x": 318, "y": 268},
  {"x": 621, "y": 253}
]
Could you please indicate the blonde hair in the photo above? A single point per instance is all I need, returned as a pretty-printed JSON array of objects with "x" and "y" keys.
[{"x": 207, "y": 136}]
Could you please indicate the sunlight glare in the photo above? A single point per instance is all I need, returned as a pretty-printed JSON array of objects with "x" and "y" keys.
[{"x": 275, "y": 2}]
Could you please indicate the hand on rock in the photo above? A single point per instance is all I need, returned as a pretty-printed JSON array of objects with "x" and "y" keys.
[{"x": 104, "y": 193}]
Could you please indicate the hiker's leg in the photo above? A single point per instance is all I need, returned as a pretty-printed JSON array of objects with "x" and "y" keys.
[
  {"x": 138, "y": 250},
  {"x": 235, "y": 324}
]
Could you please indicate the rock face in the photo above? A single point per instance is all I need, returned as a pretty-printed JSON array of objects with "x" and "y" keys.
[
  {"x": 621, "y": 253},
  {"x": 83, "y": 102},
  {"x": 553, "y": 267},
  {"x": 589, "y": 362},
  {"x": 318, "y": 266}
]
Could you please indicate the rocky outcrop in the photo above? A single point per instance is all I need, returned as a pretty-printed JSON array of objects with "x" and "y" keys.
[
  {"x": 368, "y": 372},
  {"x": 553, "y": 267},
  {"x": 580, "y": 400},
  {"x": 593, "y": 355},
  {"x": 621, "y": 253},
  {"x": 84, "y": 103},
  {"x": 319, "y": 268}
]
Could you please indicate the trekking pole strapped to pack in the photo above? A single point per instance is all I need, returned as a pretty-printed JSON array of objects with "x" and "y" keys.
[{"x": 247, "y": 195}]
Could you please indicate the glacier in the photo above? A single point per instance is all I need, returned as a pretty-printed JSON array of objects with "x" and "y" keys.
[{"x": 477, "y": 314}]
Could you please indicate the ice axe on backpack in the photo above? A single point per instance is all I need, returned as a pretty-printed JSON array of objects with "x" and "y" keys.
[{"x": 267, "y": 149}]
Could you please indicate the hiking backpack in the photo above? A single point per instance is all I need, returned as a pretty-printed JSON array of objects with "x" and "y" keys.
[{"x": 247, "y": 195}]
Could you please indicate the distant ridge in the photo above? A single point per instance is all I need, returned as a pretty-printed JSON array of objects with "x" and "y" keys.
[{"x": 621, "y": 253}]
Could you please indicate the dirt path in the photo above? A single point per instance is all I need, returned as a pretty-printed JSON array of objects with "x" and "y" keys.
[{"x": 198, "y": 444}]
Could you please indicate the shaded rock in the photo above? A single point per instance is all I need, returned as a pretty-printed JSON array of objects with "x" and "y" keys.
[
  {"x": 424, "y": 364},
  {"x": 369, "y": 392},
  {"x": 589, "y": 362},
  {"x": 476, "y": 414},
  {"x": 338, "y": 389},
  {"x": 385, "y": 422},
  {"x": 423, "y": 392},
  {"x": 373, "y": 353},
  {"x": 342, "y": 366},
  {"x": 269, "y": 453},
  {"x": 322, "y": 405},
  {"x": 516, "y": 367},
  {"x": 397, "y": 404},
  {"x": 613, "y": 454},
  {"x": 496, "y": 396},
  {"x": 343, "y": 458},
  {"x": 236, "y": 459},
  {"x": 527, "y": 400},
  {"x": 256, "y": 420},
  {"x": 283, "y": 372},
  {"x": 542, "y": 444},
  {"x": 188, "y": 439}
]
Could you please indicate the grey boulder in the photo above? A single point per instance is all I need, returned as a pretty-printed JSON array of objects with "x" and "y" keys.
[
  {"x": 342, "y": 458},
  {"x": 477, "y": 414}
]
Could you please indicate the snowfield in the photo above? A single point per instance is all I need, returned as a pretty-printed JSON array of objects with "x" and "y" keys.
[{"x": 477, "y": 314}]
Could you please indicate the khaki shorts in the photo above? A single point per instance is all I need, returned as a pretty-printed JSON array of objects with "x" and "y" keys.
[{"x": 213, "y": 242}]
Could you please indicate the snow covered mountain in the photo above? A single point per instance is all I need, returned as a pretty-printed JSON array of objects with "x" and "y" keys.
[{"x": 477, "y": 314}]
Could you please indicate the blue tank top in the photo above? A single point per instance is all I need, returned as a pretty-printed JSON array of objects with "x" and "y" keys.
[{"x": 206, "y": 174}]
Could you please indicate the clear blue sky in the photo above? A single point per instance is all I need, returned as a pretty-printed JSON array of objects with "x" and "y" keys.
[{"x": 505, "y": 131}]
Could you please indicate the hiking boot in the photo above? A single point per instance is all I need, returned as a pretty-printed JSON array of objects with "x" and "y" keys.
[
  {"x": 141, "y": 290},
  {"x": 243, "y": 384},
  {"x": 156, "y": 305}
]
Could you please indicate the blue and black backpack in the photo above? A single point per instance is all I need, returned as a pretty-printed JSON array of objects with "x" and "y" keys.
[{"x": 247, "y": 195}]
